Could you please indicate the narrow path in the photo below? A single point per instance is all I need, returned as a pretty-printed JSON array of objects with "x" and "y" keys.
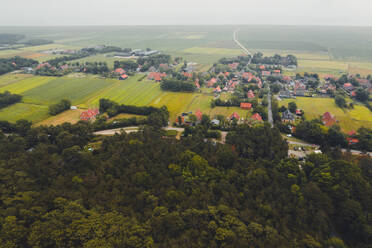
[
  {"x": 269, "y": 110},
  {"x": 235, "y": 37}
]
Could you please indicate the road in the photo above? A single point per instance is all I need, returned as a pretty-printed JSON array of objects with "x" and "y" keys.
[
  {"x": 269, "y": 110},
  {"x": 235, "y": 37}
]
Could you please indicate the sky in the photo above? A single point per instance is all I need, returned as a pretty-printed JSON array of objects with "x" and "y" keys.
[{"x": 185, "y": 12}]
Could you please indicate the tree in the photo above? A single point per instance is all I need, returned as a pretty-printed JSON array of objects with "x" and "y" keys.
[
  {"x": 292, "y": 106},
  {"x": 362, "y": 95},
  {"x": 340, "y": 101}
]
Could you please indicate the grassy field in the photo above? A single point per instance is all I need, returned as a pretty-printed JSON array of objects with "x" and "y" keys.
[
  {"x": 31, "y": 112},
  {"x": 27, "y": 84},
  {"x": 348, "y": 119},
  {"x": 71, "y": 116}
]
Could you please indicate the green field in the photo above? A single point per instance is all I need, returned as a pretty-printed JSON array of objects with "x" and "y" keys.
[
  {"x": 348, "y": 119},
  {"x": 31, "y": 112}
]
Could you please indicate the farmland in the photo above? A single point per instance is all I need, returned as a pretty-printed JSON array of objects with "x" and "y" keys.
[{"x": 348, "y": 119}]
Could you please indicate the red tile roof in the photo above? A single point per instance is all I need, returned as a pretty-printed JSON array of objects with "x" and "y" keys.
[
  {"x": 199, "y": 114},
  {"x": 120, "y": 71},
  {"x": 347, "y": 85},
  {"x": 256, "y": 117},
  {"x": 328, "y": 119},
  {"x": 124, "y": 76},
  {"x": 234, "y": 116},
  {"x": 89, "y": 114},
  {"x": 211, "y": 82},
  {"x": 250, "y": 94},
  {"x": 245, "y": 105},
  {"x": 351, "y": 133}
]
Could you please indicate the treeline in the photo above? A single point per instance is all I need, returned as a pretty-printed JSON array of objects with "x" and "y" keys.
[
  {"x": 95, "y": 67},
  {"x": 57, "y": 108},
  {"x": 7, "y": 99},
  {"x": 156, "y": 116},
  {"x": 153, "y": 60},
  {"x": 313, "y": 131},
  {"x": 15, "y": 63},
  {"x": 177, "y": 85},
  {"x": 239, "y": 59},
  {"x": 62, "y": 60},
  {"x": 63, "y": 187},
  {"x": 258, "y": 58},
  {"x": 128, "y": 65}
]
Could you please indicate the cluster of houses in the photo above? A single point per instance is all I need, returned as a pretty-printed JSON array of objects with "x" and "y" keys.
[
  {"x": 121, "y": 73},
  {"x": 289, "y": 117}
]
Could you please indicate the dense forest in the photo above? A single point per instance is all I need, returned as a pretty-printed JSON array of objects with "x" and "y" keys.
[
  {"x": 15, "y": 63},
  {"x": 145, "y": 190},
  {"x": 177, "y": 85},
  {"x": 6, "y": 99}
]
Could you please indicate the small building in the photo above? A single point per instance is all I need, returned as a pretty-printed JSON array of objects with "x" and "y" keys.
[
  {"x": 266, "y": 73},
  {"x": 88, "y": 115},
  {"x": 119, "y": 71},
  {"x": 123, "y": 77},
  {"x": 250, "y": 94},
  {"x": 352, "y": 141},
  {"x": 246, "y": 105},
  {"x": 215, "y": 122},
  {"x": 287, "y": 116},
  {"x": 217, "y": 89},
  {"x": 299, "y": 112},
  {"x": 284, "y": 94},
  {"x": 73, "y": 108},
  {"x": 328, "y": 119},
  {"x": 211, "y": 82},
  {"x": 256, "y": 117},
  {"x": 234, "y": 116},
  {"x": 198, "y": 115}
]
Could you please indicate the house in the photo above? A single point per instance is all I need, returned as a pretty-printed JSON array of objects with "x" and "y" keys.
[
  {"x": 262, "y": 67},
  {"x": 352, "y": 141},
  {"x": 233, "y": 66},
  {"x": 246, "y": 105},
  {"x": 299, "y": 89},
  {"x": 351, "y": 133},
  {"x": 123, "y": 77},
  {"x": 42, "y": 65},
  {"x": 119, "y": 71},
  {"x": 299, "y": 112},
  {"x": 217, "y": 89},
  {"x": 250, "y": 94},
  {"x": 157, "y": 76},
  {"x": 197, "y": 83},
  {"x": 215, "y": 122},
  {"x": 287, "y": 116},
  {"x": 198, "y": 115},
  {"x": 276, "y": 72},
  {"x": 284, "y": 94},
  {"x": 234, "y": 116},
  {"x": 164, "y": 67},
  {"x": 64, "y": 67},
  {"x": 348, "y": 86},
  {"x": 211, "y": 82},
  {"x": 328, "y": 119},
  {"x": 27, "y": 69},
  {"x": 256, "y": 117},
  {"x": 266, "y": 73},
  {"x": 89, "y": 114},
  {"x": 187, "y": 74}
]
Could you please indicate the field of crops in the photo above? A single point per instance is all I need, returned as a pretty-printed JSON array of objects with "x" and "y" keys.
[{"x": 348, "y": 119}]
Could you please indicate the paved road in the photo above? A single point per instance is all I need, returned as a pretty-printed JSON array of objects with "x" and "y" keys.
[
  {"x": 235, "y": 37},
  {"x": 269, "y": 110}
]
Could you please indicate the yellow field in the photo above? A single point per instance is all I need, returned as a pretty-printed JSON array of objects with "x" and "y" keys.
[
  {"x": 348, "y": 119},
  {"x": 26, "y": 84},
  {"x": 71, "y": 116}
]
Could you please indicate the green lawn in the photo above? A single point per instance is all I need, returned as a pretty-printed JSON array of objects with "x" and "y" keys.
[
  {"x": 77, "y": 90},
  {"x": 26, "y": 84},
  {"x": 31, "y": 112},
  {"x": 348, "y": 119}
]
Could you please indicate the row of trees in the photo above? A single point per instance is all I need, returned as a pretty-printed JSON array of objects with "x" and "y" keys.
[
  {"x": 15, "y": 63},
  {"x": 258, "y": 58},
  {"x": 57, "y": 108},
  {"x": 173, "y": 84},
  {"x": 144, "y": 190},
  {"x": 7, "y": 99}
]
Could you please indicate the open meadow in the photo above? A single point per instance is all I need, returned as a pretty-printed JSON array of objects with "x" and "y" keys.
[{"x": 348, "y": 119}]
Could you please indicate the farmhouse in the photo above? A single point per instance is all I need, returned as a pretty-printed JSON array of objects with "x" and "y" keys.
[
  {"x": 89, "y": 114},
  {"x": 246, "y": 105},
  {"x": 157, "y": 76},
  {"x": 198, "y": 115},
  {"x": 217, "y": 89},
  {"x": 123, "y": 77},
  {"x": 328, "y": 119},
  {"x": 234, "y": 116},
  {"x": 119, "y": 71},
  {"x": 256, "y": 117},
  {"x": 212, "y": 82},
  {"x": 266, "y": 73},
  {"x": 250, "y": 94},
  {"x": 287, "y": 116}
]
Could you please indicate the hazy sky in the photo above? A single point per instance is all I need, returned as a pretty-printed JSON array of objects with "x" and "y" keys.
[{"x": 142, "y": 12}]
